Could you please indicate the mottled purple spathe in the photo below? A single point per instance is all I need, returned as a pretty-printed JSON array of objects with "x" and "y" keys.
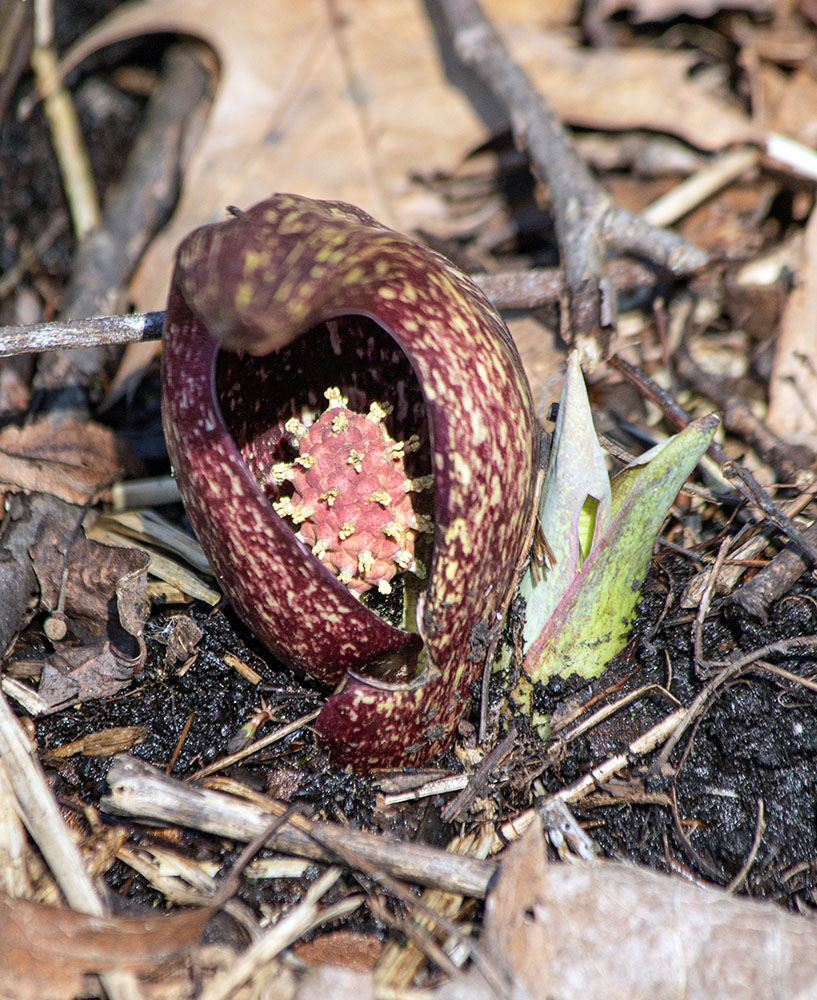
[{"x": 313, "y": 294}]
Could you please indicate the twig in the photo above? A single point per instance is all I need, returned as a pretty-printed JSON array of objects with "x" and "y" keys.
[
  {"x": 439, "y": 786},
  {"x": 479, "y": 780},
  {"x": 540, "y": 286},
  {"x": 730, "y": 670},
  {"x": 68, "y": 334},
  {"x": 746, "y": 867},
  {"x": 265, "y": 741},
  {"x": 746, "y": 483},
  {"x": 706, "y": 598},
  {"x": 587, "y": 220},
  {"x": 775, "y": 579},
  {"x": 788, "y": 460},
  {"x": 66, "y": 136},
  {"x": 286, "y": 930},
  {"x": 738, "y": 475},
  {"x": 690, "y": 193},
  {"x": 514, "y": 828},
  {"x": 141, "y": 792},
  {"x": 137, "y": 207}
]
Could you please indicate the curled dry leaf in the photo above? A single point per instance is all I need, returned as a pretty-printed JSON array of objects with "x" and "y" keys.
[{"x": 98, "y": 594}]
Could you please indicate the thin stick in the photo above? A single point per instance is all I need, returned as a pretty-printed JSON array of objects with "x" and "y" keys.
[
  {"x": 760, "y": 827},
  {"x": 514, "y": 828},
  {"x": 67, "y": 334},
  {"x": 265, "y": 741},
  {"x": 690, "y": 193},
  {"x": 66, "y": 136},
  {"x": 286, "y": 930}
]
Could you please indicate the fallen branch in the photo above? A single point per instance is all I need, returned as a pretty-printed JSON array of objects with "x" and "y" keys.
[
  {"x": 143, "y": 793},
  {"x": 588, "y": 222}
]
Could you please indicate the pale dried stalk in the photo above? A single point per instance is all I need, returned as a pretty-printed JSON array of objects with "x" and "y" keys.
[{"x": 141, "y": 792}]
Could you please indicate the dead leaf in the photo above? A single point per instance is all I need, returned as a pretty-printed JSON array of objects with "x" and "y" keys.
[
  {"x": 104, "y": 743},
  {"x": 70, "y": 460},
  {"x": 793, "y": 388},
  {"x": 98, "y": 598},
  {"x": 789, "y": 103},
  {"x": 606, "y": 931},
  {"x": 182, "y": 639},
  {"x": 93, "y": 577},
  {"x": 46, "y": 950},
  {"x": 352, "y": 108},
  {"x": 81, "y": 673},
  {"x": 340, "y": 948},
  {"x": 614, "y": 89}
]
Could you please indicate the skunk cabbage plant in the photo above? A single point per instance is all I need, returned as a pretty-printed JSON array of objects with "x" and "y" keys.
[{"x": 355, "y": 444}]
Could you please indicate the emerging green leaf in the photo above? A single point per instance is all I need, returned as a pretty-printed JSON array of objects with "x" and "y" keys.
[{"x": 581, "y": 607}]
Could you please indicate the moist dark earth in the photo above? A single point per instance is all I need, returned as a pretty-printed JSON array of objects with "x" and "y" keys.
[{"x": 755, "y": 742}]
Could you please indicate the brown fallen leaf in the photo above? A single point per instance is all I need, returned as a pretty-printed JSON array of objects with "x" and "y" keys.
[
  {"x": 92, "y": 578},
  {"x": 613, "y": 931},
  {"x": 97, "y": 602},
  {"x": 614, "y": 89},
  {"x": 789, "y": 102},
  {"x": 97, "y": 669},
  {"x": 346, "y": 948},
  {"x": 70, "y": 460},
  {"x": 350, "y": 108},
  {"x": 45, "y": 951},
  {"x": 793, "y": 388}
]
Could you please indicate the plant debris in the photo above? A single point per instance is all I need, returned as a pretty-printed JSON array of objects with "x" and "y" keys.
[{"x": 159, "y": 737}]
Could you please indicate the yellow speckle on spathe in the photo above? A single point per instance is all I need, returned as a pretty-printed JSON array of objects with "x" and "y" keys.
[
  {"x": 462, "y": 470},
  {"x": 480, "y": 431},
  {"x": 253, "y": 259},
  {"x": 352, "y": 276},
  {"x": 243, "y": 294},
  {"x": 387, "y": 292},
  {"x": 458, "y": 531}
]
